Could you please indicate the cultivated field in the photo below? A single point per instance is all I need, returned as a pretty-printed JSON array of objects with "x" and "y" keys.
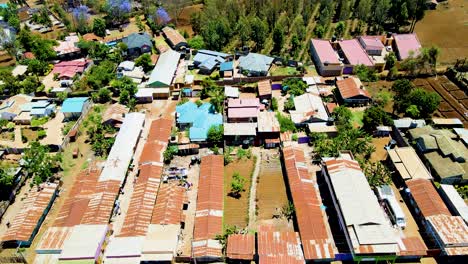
[
  {"x": 447, "y": 28},
  {"x": 271, "y": 189},
  {"x": 454, "y": 102},
  {"x": 236, "y": 209}
]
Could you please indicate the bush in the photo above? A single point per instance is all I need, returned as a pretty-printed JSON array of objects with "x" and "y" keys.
[
  {"x": 294, "y": 137},
  {"x": 183, "y": 101},
  {"x": 365, "y": 74},
  {"x": 286, "y": 124},
  {"x": 237, "y": 184},
  {"x": 169, "y": 153},
  {"x": 289, "y": 105},
  {"x": 274, "y": 104},
  {"x": 199, "y": 102},
  {"x": 215, "y": 134},
  {"x": 37, "y": 122},
  {"x": 41, "y": 134}
]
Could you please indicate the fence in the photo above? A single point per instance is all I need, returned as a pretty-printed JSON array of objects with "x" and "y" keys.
[
  {"x": 240, "y": 80},
  {"x": 66, "y": 139}
]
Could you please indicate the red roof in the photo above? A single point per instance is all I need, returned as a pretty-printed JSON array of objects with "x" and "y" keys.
[
  {"x": 372, "y": 42},
  {"x": 34, "y": 207},
  {"x": 413, "y": 246},
  {"x": 316, "y": 241},
  {"x": 209, "y": 214},
  {"x": 325, "y": 51},
  {"x": 426, "y": 197},
  {"x": 331, "y": 107},
  {"x": 248, "y": 112},
  {"x": 349, "y": 88},
  {"x": 169, "y": 203},
  {"x": 152, "y": 152},
  {"x": 141, "y": 206},
  {"x": 241, "y": 246},
  {"x": 354, "y": 53},
  {"x": 29, "y": 55},
  {"x": 160, "y": 130},
  {"x": 279, "y": 247},
  {"x": 70, "y": 68}
]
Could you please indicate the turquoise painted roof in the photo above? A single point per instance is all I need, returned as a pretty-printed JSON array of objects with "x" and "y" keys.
[
  {"x": 226, "y": 66},
  {"x": 73, "y": 105},
  {"x": 201, "y": 118}
]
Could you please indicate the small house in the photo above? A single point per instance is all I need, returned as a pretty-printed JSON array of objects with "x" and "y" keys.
[
  {"x": 353, "y": 55},
  {"x": 174, "y": 38},
  {"x": 226, "y": 69},
  {"x": 138, "y": 43},
  {"x": 114, "y": 115},
  {"x": 68, "y": 48},
  {"x": 243, "y": 110},
  {"x": 207, "y": 60},
  {"x": 406, "y": 45},
  {"x": 231, "y": 92},
  {"x": 165, "y": 70},
  {"x": 19, "y": 70},
  {"x": 326, "y": 60},
  {"x": 67, "y": 70},
  {"x": 72, "y": 108},
  {"x": 128, "y": 69},
  {"x": 309, "y": 108},
  {"x": 197, "y": 119},
  {"x": 264, "y": 90},
  {"x": 352, "y": 91},
  {"x": 254, "y": 64},
  {"x": 268, "y": 128},
  {"x": 39, "y": 108},
  {"x": 11, "y": 107}
]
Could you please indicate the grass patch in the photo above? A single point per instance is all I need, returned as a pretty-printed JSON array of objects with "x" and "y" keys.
[
  {"x": 280, "y": 71},
  {"x": 357, "y": 118}
]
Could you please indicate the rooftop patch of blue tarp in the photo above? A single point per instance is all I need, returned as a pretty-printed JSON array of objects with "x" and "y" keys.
[
  {"x": 226, "y": 66},
  {"x": 201, "y": 118}
]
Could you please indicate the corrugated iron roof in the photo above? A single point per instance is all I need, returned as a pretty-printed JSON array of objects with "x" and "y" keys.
[
  {"x": 413, "y": 246},
  {"x": 173, "y": 36},
  {"x": 279, "y": 247},
  {"x": 101, "y": 203},
  {"x": 209, "y": 214},
  {"x": 452, "y": 231},
  {"x": 349, "y": 88},
  {"x": 25, "y": 222},
  {"x": 152, "y": 153},
  {"x": 264, "y": 87},
  {"x": 169, "y": 203},
  {"x": 316, "y": 240},
  {"x": 115, "y": 112},
  {"x": 426, "y": 197},
  {"x": 241, "y": 246},
  {"x": 160, "y": 130},
  {"x": 53, "y": 238}
]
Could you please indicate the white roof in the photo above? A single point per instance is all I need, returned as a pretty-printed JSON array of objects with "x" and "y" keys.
[
  {"x": 232, "y": 92},
  {"x": 386, "y": 193},
  {"x": 189, "y": 78},
  {"x": 447, "y": 121},
  {"x": 145, "y": 92},
  {"x": 240, "y": 129},
  {"x": 127, "y": 65},
  {"x": 409, "y": 123},
  {"x": 455, "y": 199},
  {"x": 308, "y": 106},
  {"x": 84, "y": 242},
  {"x": 160, "y": 242},
  {"x": 463, "y": 134},
  {"x": 312, "y": 80},
  {"x": 19, "y": 70},
  {"x": 121, "y": 153},
  {"x": 124, "y": 247},
  {"x": 408, "y": 163},
  {"x": 165, "y": 68},
  {"x": 362, "y": 213}
]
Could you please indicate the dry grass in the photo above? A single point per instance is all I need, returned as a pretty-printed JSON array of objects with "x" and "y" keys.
[
  {"x": 236, "y": 209},
  {"x": 446, "y": 27}
]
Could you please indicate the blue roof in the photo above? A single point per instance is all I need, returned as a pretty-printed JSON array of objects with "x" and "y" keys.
[
  {"x": 34, "y": 105},
  {"x": 73, "y": 105},
  {"x": 210, "y": 63},
  {"x": 255, "y": 62},
  {"x": 38, "y": 111},
  {"x": 201, "y": 118},
  {"x": 226, "y": 66}
]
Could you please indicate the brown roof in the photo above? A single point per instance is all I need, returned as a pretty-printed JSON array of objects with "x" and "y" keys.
[
  {"x": 54, "y": 237},
  {"x": 264, "y": 87},
  {"x": 209, "y": 214},
  {"x": 169, "y": 203},
  {"x": 101, "y": 203},
  {"x": 331, "y": 107},
  {"x": 349, "y": 88},
  {"x": 173, "y": 36},
  {"x": 152, "y": 152},
  {"x": 34, "y": 208},
  {"x": 91, "y": 37},
  {"x": 141, "y": 206},
  {"x": 279, "y": 247},
  {"x": 452, "y": 232},
  {"x": 413, "y": 246},
  {"x": 160, "y": 130},
  {"x": 316, "y": 241},
  {"x": 427, "y": 198},
  {"x": 115, "y": 112},
  {"x": 241, "y": 246}
]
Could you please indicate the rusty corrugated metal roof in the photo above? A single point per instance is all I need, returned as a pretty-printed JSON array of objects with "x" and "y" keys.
[
  {"x": 349, "y": 88},
  {"x": 452, "y": 231},
  {"x": 160, "y": 130},
  {"x": 209, "y": 214},
  {"x": 101, "y": 203},
  {"x": 241, "y": 246},
  {"x": 427, "y": 198},
  {"x": 34, "y": 207},
  {"x": 169, "y": 203},
  {"x": 152, "y": 153},
  {"x": 264, "y": 87},
  {"x": 53, "y": 238},
  {"x": 316, "y": 240},
  {"x": 279, "y": 247},
  {"x": 413, "y": 246},
  {"x": 115, "y": 112}
]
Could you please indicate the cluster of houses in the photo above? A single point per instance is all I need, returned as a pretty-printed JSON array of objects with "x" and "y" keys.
[{"x": 336, "y": 57}]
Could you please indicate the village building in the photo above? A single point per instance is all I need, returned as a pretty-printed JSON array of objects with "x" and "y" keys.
[
  {"x": 403, "y": 124},
  {"x": 447, "y": 123},
  {"x": 67, "y": 70},
  {"x": 408, "y": 164},
  {"x": 254, "y": 64},
  {"x": 163, "y": 73},
  {"x": 226, "y": 69},
  {"x": 375, "y": 48},
  {"x": 128, "y": 69},
  {"x": 68, "y": 48},
  {"x": 240, "y": 247},
  {"x": 309, "y": 108},
  {"x": 207, "y": 61},
  {"x": 174, "y": 38},
  {"x": 326, "y": 60},
  {"x": 268, "y": 129},
  {"x": 243, "y": 110},
  {"x": 454, "y": 201},
  {"x": 198, "y": 120},
  {"x": 264, "y": 90},
  {"x": 406, "y": 45},
  {"x": 240, "y": 133},
  {"x": 72, "y": 108},
  {"x": 351, "y": 91},
  {"x": 19, "y": 70},
  {"x": 138, "y": 44},
  {"x": 353, "y": 55},
  {"x": 11, "y": 107},
  {"x": 231, "y": 92},
  {"x": 115, "y": 115},
  {"x": 279, "y": 246},
  {"x": 36, "y": 109}
]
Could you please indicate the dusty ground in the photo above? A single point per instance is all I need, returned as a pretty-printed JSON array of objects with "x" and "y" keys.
[
  {"x": 54, "y": 130},
  {"x": 380, "y": 153},
  {"x": 183, "y": 23},
  {"x": 236, "y": 208},
  {"x": 446, "y": 28}
]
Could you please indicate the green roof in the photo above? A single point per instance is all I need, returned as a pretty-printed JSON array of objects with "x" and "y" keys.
[
  {"x": 137, "y": 40},
  {"x": 445, "y": 167}
]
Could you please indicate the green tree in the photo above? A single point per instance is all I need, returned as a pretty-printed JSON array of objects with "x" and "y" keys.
[
  {"x": 342, "y": 116},
  {"x": 169, "y": 153},
  {"x": 319, "y": 31},
  {"x": 6, "y": 183},
  {"x": 196, "y": 22},
  {"x": 99, "y": 27},
  {"x": 340, "y": 29},
  {"x": 244, "y": 30},
  {"x": 215, "y": 134},
  {"x": 145, "y": 62},
  {"x": 102, "y": 96},
  {"x": 296, "y": 86},
  {"x": 377, "y": 174},
  {"x": 295, "y": 43},
  {"x": 365, "y": 74},
  {"x": 216, "y": 95},
  {"x": 278, "y": 38},
  {"x": 381, "y": 8},
  {"x": 38, "y": 163},
  {"x": 259, "y": 32},
  {"x": 196, "y": 42},
  {"x": 37, "y": 67},
  {"x": 237, "y": 185},
  {"x": 375, "y": 116},
  {"x": 30, "y": 85},
  {"x": 413, "y": 111},
  {"x": 274, "y": 104},
  {"x": 363, "y": 10},
  {"x": 286, "y": 124},
  {"x": 289, "y": 104},
  {"x": 433, "y": 53}
]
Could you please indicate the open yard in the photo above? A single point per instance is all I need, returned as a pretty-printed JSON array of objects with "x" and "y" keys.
[
  {"x": 271, "y": 189},
  {"x": 7, "y": 135},
  {"x": 447, "y": 28},
  {"x": 236, "y": 208}
]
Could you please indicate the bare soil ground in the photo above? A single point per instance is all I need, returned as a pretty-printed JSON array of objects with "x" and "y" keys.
[
  {"x": 236, "y": 208},
  {"x": 183, "y": 23},
  {"x": 374, "y": 88},
  {"x": 380, "y": 153},
  {"x": 446, "y": 28}
]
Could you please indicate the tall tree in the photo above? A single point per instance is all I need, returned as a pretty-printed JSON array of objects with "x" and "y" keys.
[
  {"x": 38, "y": 163},
  {"x": 278, "y": 38},
  {"x": 99, "y": 27}
]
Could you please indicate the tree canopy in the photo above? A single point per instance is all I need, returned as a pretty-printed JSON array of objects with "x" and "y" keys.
[
  {"x": 38, "y": 163},
  {"x": 415, "y": 102},
  {"x": 375, "y": 116}
]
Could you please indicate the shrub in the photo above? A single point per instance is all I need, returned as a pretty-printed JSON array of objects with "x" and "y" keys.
[
  {"x": 169, "y": 153},
  {"x": 237, "y": 184},
  {"x": 37, "y": 122},
  {"x": 286, "y": 124},
  {"x": 274, "y": 104},
  {"x": 41, "y": 134},
  {"x": 199, "y": 102},
  {"x": 183, "y": 101}
]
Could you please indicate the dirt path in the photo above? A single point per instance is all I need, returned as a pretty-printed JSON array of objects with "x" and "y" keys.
[{"x": 253, "y": 188}]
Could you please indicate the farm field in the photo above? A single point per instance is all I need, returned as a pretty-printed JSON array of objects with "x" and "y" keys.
[
  {"x": 454, "y": 102},
  {"x": 271, "y": 189},
  {"x": 446, "y": 27},
  {"x": 236, "y": 209}
]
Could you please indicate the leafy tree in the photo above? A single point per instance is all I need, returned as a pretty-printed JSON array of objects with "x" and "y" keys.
[
  {"x": 215, "y": 134},
  {"x": 102, "y": 96},
  {"x": 100, "y": 75},
  {"x": 340, "y": 29},
  {"x": 6, "y": 182},
  {"x": 278, "y": 38},
  {"x": 196, "y": 22},
  {"x": 286, "y": 124},
  {"x": 381, "y": 8},
  {"x": 319, "y": 31},
  {"x": 289, "y": 105},
  {"x": 365, "y": 74},
  {"x": 169, "y": 153},
  {"x": 375, "y": 116},
  {"x": 42, "y": 17},
  {"x": 244, "y": 29},
  {"x": 259, "y": 32},
  {"x": 433, "y": 53},
  {"x": 99, "y": 27},
  {"x": 127, "y": 89},
  {"x": 30, "y": 84},
  {"x": 37, "y": 67},
  {"x": 344, "y": 10},
  {"x": 237, "y": 185},
  {"x": 295, "y": 86},
  {"x": 413, "y": 111},
  {"x": 295, "y": 43},
  {"x": 118, "y": 10},
  {"x": 342, "y": 116},
  {"x": 383, "y": 98},
  {"x": 426, "y": 102},
  {"x": 390, "y": 60},
  {"x": 10, "y": 83},
  {"x": 274, "y": 104},
  {"x": 377, "y": 174},
  {"x": 140, "y": 25},
  {"x": 216, "y": 95},
  {"x": 80, "y": 17},
  {"x": 196, "y": 42},
  {"x": 363, "y": 10},
  {"x": 145, "y": 62},
  {"x": 38, "y": 164}
]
